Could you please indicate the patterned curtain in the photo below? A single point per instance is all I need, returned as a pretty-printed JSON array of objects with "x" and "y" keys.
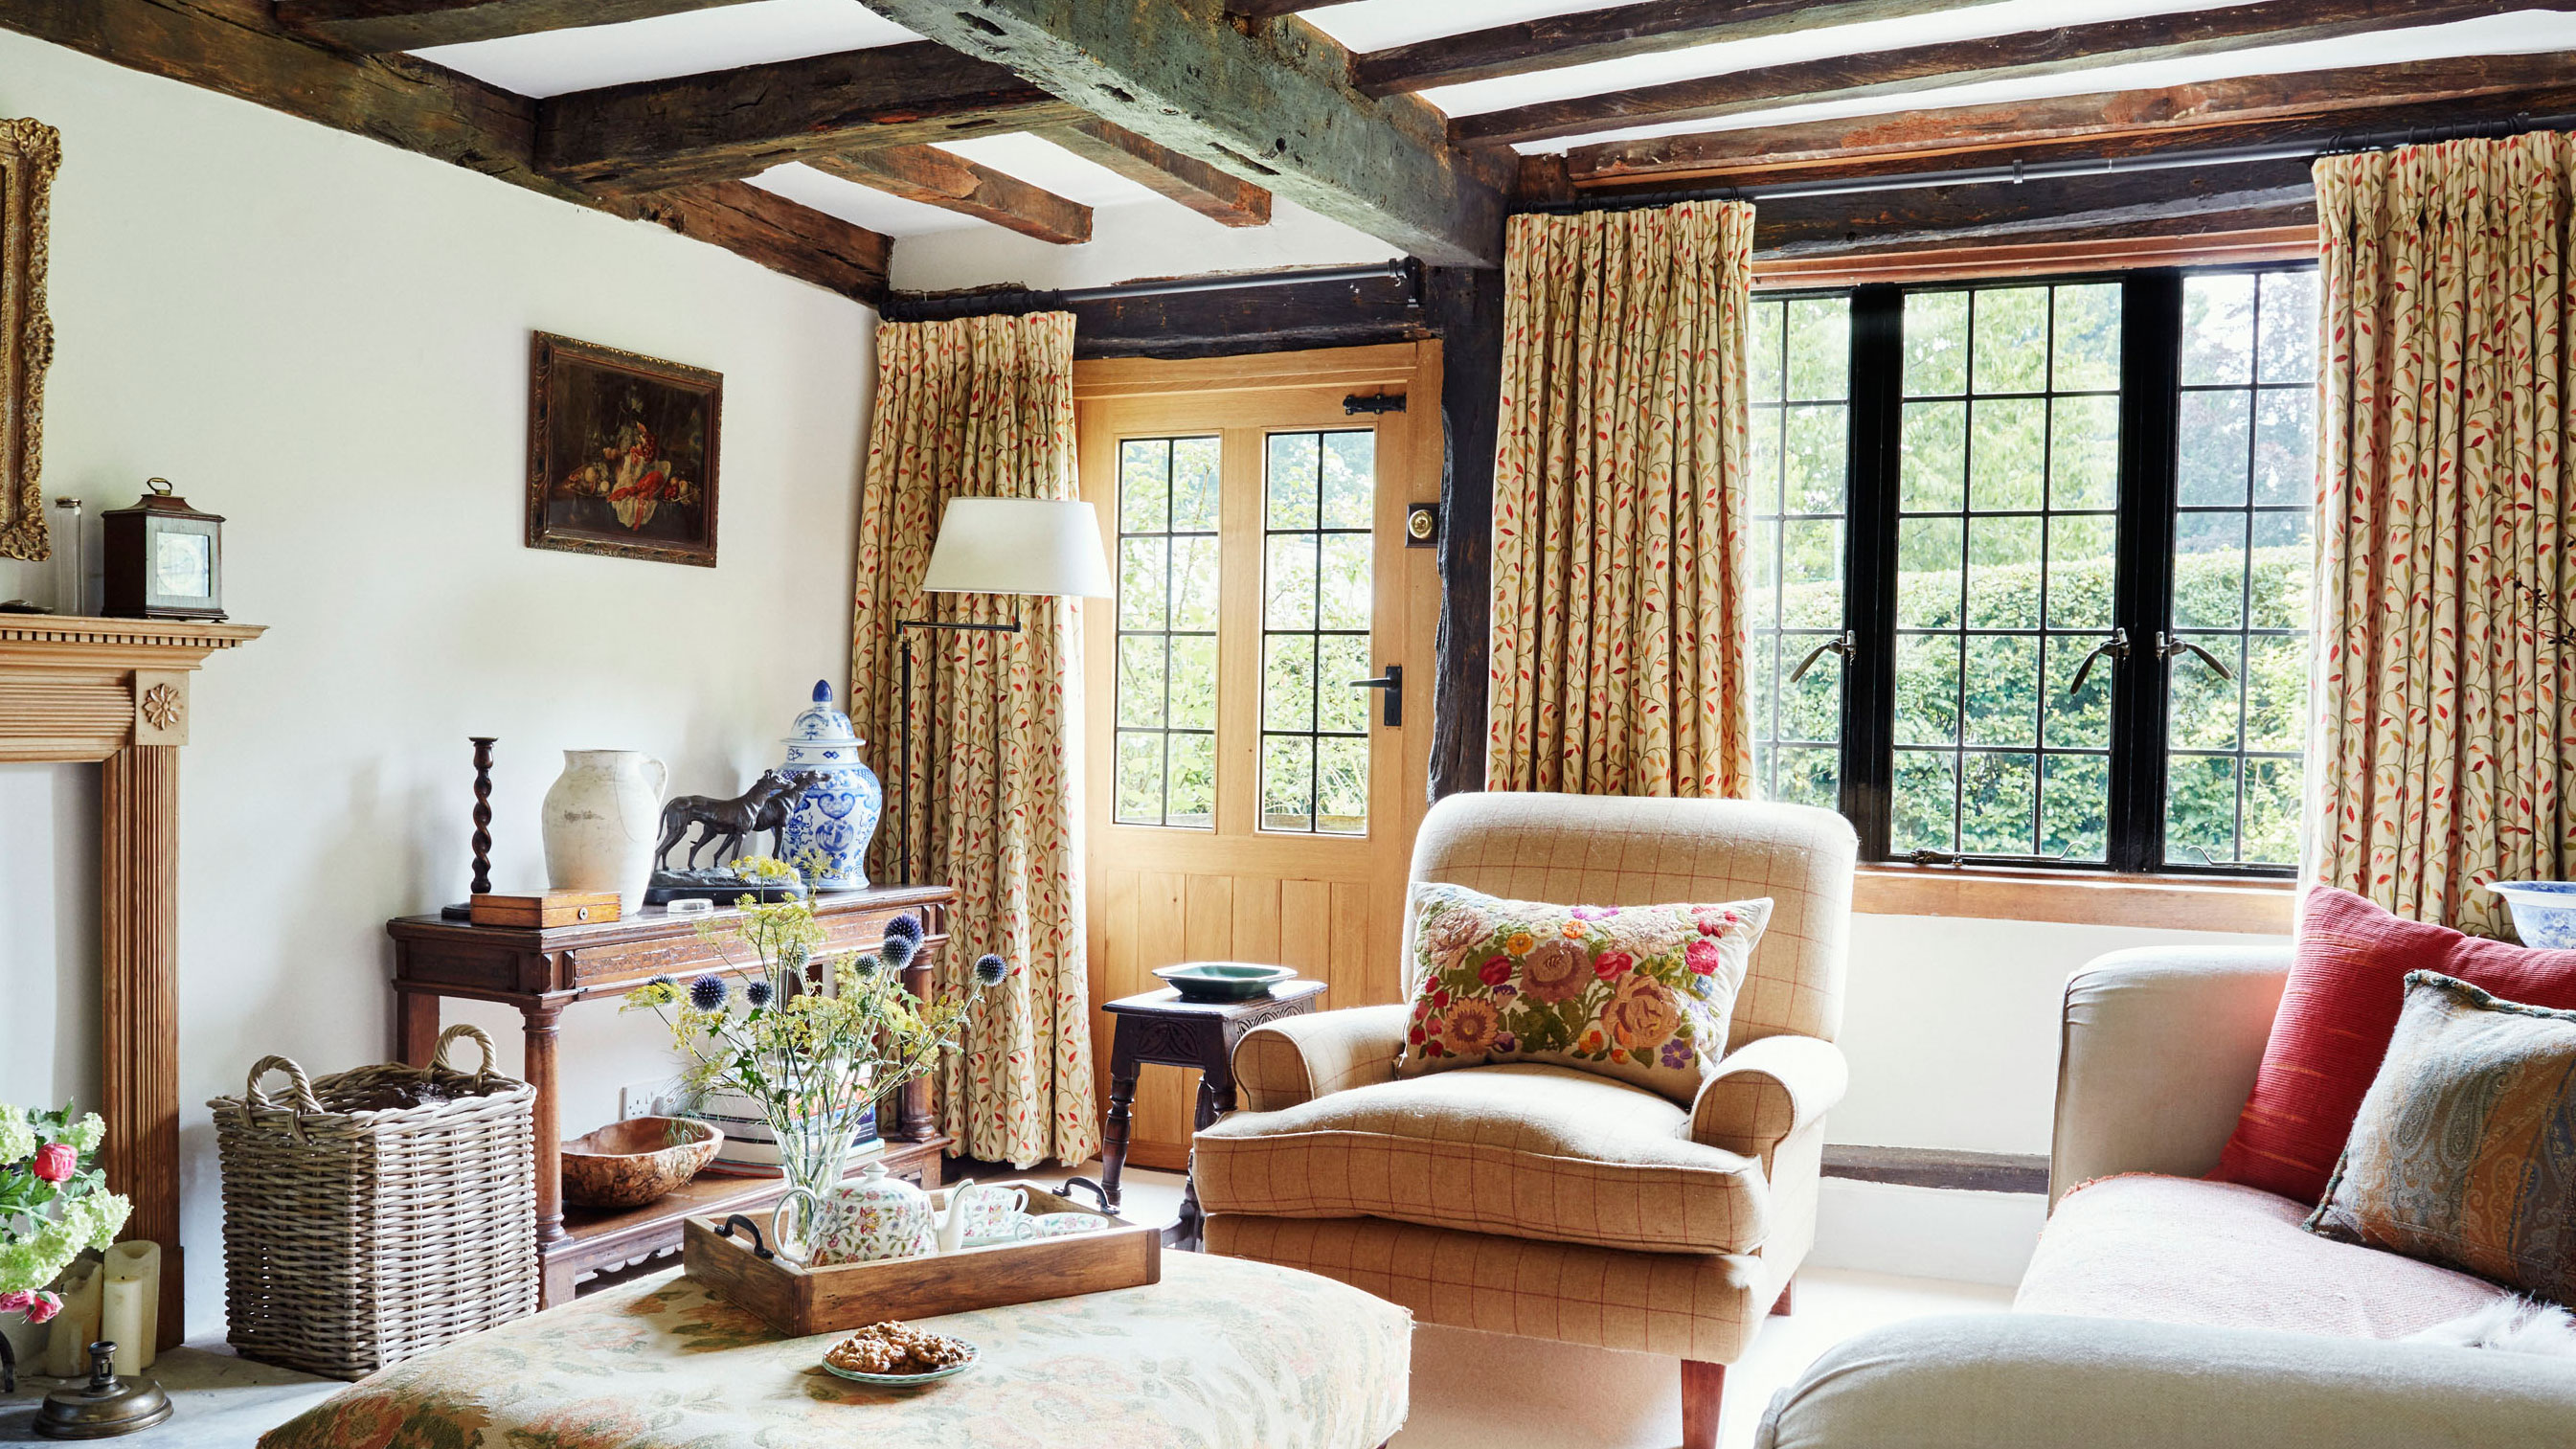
[
  {"x": 2445, "y": 728},
  {"x": 1619, "y": 657},
  {"x": 982, "y": 408}
]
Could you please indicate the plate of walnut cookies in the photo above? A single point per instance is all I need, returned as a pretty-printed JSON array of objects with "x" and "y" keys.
[{"x": 898, "y": 1355}]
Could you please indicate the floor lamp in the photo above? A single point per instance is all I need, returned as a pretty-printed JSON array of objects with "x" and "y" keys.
[{"x": 997, "y": 546}]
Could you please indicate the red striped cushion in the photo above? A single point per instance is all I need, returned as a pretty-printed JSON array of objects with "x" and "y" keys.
[{"x": 2337, "y": 1014}]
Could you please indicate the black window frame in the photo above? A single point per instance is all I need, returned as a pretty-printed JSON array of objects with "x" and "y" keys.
[{"x": 2147, "y": 516}]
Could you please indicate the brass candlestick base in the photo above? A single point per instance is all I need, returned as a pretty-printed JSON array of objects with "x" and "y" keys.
[{"x": 106, "y": 1406}]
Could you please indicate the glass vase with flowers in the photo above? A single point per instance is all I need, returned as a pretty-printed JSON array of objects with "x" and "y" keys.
[{"x": 816, "y": 1055}]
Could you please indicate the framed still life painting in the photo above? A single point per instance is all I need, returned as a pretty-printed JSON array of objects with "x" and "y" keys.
[{"x": 622, "y": 453}]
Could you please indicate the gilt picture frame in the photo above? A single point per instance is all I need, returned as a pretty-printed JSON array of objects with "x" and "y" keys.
[
  {"x": 30, "y": 153},
  {"x": 623, "y": 452}
]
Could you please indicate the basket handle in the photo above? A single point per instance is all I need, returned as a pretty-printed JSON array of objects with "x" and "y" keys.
[
  {"x": 438, "y": 1054},
  {"x": 304, "y": 1100}
]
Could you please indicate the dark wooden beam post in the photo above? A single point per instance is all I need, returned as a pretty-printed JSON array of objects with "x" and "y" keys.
[
  {"x": 950, "y": 182},
  {"x": 1270, "y": 103},
  {"x": 1963, "y": 62},
  {"x": 387, "y": 25},
  {"x": 732, "y": 123},
  {"x": 1227, "y": 200},
  {"x": 1466, "y": 305},
  {"x": 1549, "y": 42}
]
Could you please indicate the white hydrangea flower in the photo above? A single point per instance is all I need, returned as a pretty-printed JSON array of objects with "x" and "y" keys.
[
  {"x": 17, "y": 1139},
  {"x": 87, "y": 1133}
]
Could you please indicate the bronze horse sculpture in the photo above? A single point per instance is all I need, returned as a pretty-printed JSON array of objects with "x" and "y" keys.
[{"x": 765, "y": 806}]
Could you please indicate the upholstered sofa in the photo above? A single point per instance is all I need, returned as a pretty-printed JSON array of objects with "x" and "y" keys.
[
  {"x": 1547, "y": 1202},
  {"x": 2165, "y": 1312}
]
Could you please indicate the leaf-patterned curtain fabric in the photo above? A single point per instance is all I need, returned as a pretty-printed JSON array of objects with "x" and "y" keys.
[
  {"x": 1619, "y": 659},
  {"x": 2445, "y": 739},
  {"x": 982, "y": 408}
]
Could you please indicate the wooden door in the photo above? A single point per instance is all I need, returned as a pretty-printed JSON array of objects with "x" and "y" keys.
[{"x": 1244, "y": 801}]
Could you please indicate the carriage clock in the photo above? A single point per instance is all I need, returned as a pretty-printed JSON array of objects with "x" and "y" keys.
[{"x": 164, "y": 559}]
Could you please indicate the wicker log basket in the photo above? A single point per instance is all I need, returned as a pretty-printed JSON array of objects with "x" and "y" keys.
[{"x": 376, "y": 1214}]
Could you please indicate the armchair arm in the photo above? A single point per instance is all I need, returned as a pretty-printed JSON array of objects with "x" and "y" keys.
[
  {"x": 1304, "y": 1057},
  {"x": 2040, "y": 1381},
  {"x": 2158, "y": 1053},
  {"x": 1766, "y": 1090}
]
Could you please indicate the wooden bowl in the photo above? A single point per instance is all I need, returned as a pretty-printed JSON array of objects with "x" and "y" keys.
[{"x": 630, "y": 1163}]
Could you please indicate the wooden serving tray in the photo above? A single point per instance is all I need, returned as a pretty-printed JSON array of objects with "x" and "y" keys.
[{"x": 804, "y": 1301}]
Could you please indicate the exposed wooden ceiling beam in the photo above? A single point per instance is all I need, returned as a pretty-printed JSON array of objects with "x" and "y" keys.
[
  {"x": 224, "y": 47},
  {"x": 1271, "y": 104},
  {"x": 1551, "y": 42},
  {"x": 1952, "y": 63},
  {"x": 952, "y": 183},
  {"x": 1228, "y": 200},
  {"x": 1266, "y": 9},
  {"x": 730, "y": 123},
  {"x": 388, "y": 25},
  {"x": 2245, "y": 110},
  {"x": 2272, "y": 193}
]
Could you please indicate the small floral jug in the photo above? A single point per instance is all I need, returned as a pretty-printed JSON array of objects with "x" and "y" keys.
[{"x": 863, "y": 1221}]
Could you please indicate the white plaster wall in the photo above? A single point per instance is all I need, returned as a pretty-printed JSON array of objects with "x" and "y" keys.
[{"x": 326, "y": 340}]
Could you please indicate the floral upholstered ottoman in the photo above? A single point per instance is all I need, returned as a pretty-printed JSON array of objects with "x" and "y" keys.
[{"x": 1221, "y": 1354}]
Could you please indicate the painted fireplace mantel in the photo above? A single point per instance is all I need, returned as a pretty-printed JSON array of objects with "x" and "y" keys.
[{"x": 116, "y": 691}]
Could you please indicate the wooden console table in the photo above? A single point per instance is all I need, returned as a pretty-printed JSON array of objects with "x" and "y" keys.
[{"x": 542, "y": 971}]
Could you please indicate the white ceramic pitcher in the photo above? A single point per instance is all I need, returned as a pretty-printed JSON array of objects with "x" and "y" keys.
[{"x": 601, "y": 820}]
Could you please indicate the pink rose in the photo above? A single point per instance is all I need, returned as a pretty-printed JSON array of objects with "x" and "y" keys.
[
  {"x": 1702, "y": 956},
  {"x": 1611, "y": 965},
  {"x": 1495, "y": 972},
  {"x": 55, "y": 1161},
  {"x": 45, "y": 1306},
  {"x": 17, "y": 1300}
]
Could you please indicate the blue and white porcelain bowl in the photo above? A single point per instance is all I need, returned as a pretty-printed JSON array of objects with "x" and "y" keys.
[{"x": 2544, "y": 911}]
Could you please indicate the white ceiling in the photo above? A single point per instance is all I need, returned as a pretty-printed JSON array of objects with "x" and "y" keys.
[{"x": 554, "y": 62}]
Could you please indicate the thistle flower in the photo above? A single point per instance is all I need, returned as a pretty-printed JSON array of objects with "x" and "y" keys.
[
  {"x": 866, "y": 966},
  {"x": 908, "y": 927},
  {"x": 990, "y": 969},
  {"x": 898, "y": 951},
  {"x": 707, "y": 993},
  {"x": 792, "y": 959},
  {"x": 758, "y": 993}
]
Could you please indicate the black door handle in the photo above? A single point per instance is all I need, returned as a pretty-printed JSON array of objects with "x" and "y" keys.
[{"x": 1393, "y": 683}]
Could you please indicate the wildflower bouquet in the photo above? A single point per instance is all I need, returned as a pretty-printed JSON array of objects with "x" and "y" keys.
[
  {"x": 52, "y": 1208},
  {"x": 815, "y": 1060}
]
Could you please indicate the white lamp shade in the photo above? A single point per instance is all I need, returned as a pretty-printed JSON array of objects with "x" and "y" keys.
[{"x": 1018, "y": 546}]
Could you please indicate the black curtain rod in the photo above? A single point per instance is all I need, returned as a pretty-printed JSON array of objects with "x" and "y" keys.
[
  {"x": 945, "y": 306},
  {"x": 2338, "y": 144}
]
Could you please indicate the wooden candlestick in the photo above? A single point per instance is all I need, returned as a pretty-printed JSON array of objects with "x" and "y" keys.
[{"x": 482, "y": 884}]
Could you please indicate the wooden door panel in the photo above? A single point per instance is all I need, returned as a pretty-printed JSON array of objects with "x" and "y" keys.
[{"x": 1329, "y": 906}]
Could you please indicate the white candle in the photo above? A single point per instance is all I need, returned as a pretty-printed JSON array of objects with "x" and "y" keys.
[
  {"x": 67, "y": 1352},
  {"x": 139, "y": 1264},
  {"x": 120, "y": 1320}
]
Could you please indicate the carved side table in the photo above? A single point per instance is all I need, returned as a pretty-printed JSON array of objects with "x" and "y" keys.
[{"x": 1159, "y": 1028}]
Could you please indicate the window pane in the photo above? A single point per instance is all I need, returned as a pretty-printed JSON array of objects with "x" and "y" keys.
[
  {"x": 1317, "y": 597},
  {"x": 1934, "y": 476},
  {"x": 2285, "y": 445},
  {"x": 2272, "y": 795},
  {"x": 2200, "y": 810},
  {"x": 1165, "y": 703},
  {"x": 2010, "y": 326},
  {"x": 2289, "y": 343},
  {"x": 2209, "y": 570},
  {"x": 2205, "y": 708},
  {"x": 1936, "y": 344},
  {"x": 2214, "y": 447},
  {"x": 2217, "y": 328},
  {"x": 1799, "y": 350},
  {"x": 1997, "y": 609}
]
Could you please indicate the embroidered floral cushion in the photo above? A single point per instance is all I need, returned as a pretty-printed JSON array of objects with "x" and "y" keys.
[{"x": 1639, "y": 993}]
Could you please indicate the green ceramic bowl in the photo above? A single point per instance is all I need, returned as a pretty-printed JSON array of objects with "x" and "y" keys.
[{"x": 1223, "y": 980}]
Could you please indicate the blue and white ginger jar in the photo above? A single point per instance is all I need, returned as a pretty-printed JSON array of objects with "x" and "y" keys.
[{"x": 835, "y": 819}]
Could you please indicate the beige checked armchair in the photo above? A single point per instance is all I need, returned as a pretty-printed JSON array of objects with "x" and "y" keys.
[{"x": 1547, "y": 1202}]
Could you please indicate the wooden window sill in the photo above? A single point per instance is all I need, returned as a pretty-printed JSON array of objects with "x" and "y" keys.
[{"x": 2174, "y": 902}]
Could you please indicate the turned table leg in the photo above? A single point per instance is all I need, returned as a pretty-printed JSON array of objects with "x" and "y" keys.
[
  {"x": 1114, "y": 1130},
  {"x": 540, "y": 1070}
]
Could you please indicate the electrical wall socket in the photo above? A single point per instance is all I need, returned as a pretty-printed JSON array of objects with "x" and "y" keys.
[{"x": 644, "y": 1099}]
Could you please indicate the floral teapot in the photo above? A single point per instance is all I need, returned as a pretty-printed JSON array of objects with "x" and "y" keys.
[{"x": 867, "y": 1219}]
